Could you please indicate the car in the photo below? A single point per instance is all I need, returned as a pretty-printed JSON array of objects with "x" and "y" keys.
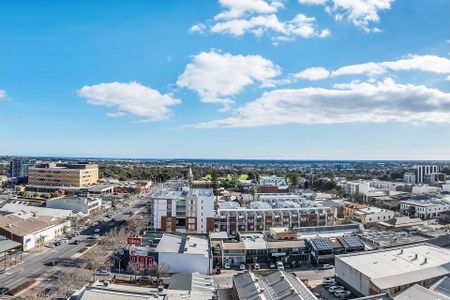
[
  {"x": 329, "y": 281},
  {"x": 4, "y": 291},
  {"x": 280, "y": 265},
  {"x": 242, "y": 267},
  {"x": 97, "y": 230},
  {"x": 75, "y": 242},
  {"x": 103, "y": 272},
  {"x": 338, "y": 292},
  {"x": 334, "y": 288},
  {"x": 50, "y": 246},
  {"x": 256, "y": 266},
  {"x": 344, "y": 294},
  {"x": 272, "y": 266},
  {"x": 326, "y": 267},
  {"x": 227, "y": 265}
]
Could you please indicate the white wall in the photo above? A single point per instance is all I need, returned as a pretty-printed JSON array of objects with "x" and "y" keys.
[
  {"x": 205, "y": 209},
  {"x": 49, "y": 233},
  {"x": 352, "y": 277}
]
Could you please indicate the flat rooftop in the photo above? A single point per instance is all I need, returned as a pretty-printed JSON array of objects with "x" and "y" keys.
[
  {"x": 183, "y": 244},
  {"x": 401, "y": 265}
]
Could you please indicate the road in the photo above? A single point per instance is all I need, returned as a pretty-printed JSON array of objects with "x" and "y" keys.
[{"x": 34, "y": 266}]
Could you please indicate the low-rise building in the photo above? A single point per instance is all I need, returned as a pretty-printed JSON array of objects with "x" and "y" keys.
[
  {"x": 85, "y": 205},
  {"x": 372, "y": 215},
  {"x": 424, "y": 209},
  {"x": 26, "y": 211},
  {"x": 392, "y": 270},
  {"x": 32, "y": 232},
  {"x": 274, "y": 286}
]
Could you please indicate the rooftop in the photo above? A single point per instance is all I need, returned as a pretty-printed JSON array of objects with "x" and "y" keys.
[
  {"x": 26, "y": 211},
  {"x": 400, "y": 266},
  {"x": 21, "y": 227},
  {"x": 183, "y": 244}
]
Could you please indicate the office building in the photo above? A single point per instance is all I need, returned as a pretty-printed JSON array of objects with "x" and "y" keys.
[
  {"x": 392, "y": 270},
  {"x": 409, "y": 178},
  {"x": 372, "y": 215},
  {"x": 85, "y": 205},
  {"x": 63, "y": 175},
  {"x": 422, "y": 171},
  {"x": 18, "y": 168},
  {"x": 424, "y": 209}
]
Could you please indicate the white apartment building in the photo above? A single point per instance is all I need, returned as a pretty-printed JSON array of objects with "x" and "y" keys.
[
  {"x": 422, "y": 171},
  {"x": 200, "y": 210},
  {"x": 163, "y": 210},
  {"x": 372, "y": 215},
  {"x": 424, "y": 209},
  {"x": 409, "y": 178},
  {"x": 425, "y": 189}
]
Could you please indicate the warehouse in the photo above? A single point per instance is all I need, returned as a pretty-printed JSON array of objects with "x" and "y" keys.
[{"x": 393, "y": 270}]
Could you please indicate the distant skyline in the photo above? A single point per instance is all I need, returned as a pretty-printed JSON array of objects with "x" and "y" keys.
[{"x": 232, "y": 79}]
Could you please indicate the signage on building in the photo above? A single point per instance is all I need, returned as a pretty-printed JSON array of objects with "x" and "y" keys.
[
  {"x": 134, "y": 240},
  {"x": 140, "y": 256}
]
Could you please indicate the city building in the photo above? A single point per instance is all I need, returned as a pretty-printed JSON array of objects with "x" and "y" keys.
[
  {"x": 182, "y": 286},
  {"x": 272, "y": 184},
  {"x": 425, "y": 189},
  {"x": 392, "y": 270},
  {"x": 372, "y": 215},
  {"x": 424, "y": 209},
  {"x": 438, "y": 291},
  {"x": 19, "y": 168},
  {"x": 324, "y": 249},
  {"x": 32, "y": 232},
  {"x": 423, "y": 172},
  {"x": 186, "y": 210},
  {"x": 277, "y": 285},
  {"x": 85, "y": 205},
  {"x": 63, "y": 175},
  {"x": 409, "y": 178},
  {"x": 181, "y": 254},
  {"x": 26, "y": 211},
  {"x": 261, "y": 217}
]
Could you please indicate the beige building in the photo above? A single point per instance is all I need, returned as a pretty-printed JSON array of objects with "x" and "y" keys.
[{"x": 64, "y": 175}]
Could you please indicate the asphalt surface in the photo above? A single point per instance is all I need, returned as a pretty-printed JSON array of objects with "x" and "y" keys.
[{"x": 33, "y": 265}]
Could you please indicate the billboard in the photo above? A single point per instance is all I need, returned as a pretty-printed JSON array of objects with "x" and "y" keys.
[
  {"x": 145, "y": 259},
  {"x": 134, "y": 240}
]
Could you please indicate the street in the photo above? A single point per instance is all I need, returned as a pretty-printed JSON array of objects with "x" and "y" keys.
[{"x": 33, "y": 265}]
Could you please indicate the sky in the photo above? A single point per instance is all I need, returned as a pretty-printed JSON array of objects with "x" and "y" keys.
[{"x": 252, "y": 79}]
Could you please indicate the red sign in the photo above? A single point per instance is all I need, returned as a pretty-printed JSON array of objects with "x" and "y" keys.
[
  {"x": 134, "y": 240},
  {"x": 145, "y": 261}
]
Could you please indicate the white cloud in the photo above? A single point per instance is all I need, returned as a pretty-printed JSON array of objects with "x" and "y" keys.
[
  {"x": 198, "y": 28},
  {"x": 238, "y": 8},
  {"x": 2, "y": 94},
  {"x": 132, "y": 98},
  {"x": 117, "y": 114},
  {"x": 361, "y": 13},
  {"x": 422, "y": 63},
  {"x": 217, "y": 77},
  {"x": 380, "y": 101},
  {"x": 258, "y": 17},
  {"x": 313, "y": 74}
]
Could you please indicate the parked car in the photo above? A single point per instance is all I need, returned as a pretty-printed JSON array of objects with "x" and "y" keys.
[
  {"x": 280, "y": 265},
  {"x": 75, "y": 242},
  {"x": 4, "y": 291},
  {"x": 103, "y": 272},
  {"x": 256, "y": 266},
  {"x": 272, "y": 266},
  {"x": 227, "y": 265},
  {"x": 50, "y": 246},
  {"x": 334, "y": 288},
  {"x": 242, "y": 267},
  {"x": 338, "y": 292},
  {"x": 329, "y": 281},
  {"x": 344, "y": 294},
  {"x": 145, "y": 279},
  {"x": 326, "y": 267}
]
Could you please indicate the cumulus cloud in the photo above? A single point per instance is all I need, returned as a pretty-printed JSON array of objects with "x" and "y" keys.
[
  {"x": 313, "y": 74},
  {"x": 198, "y": 28},
  {"x": 258, "y": 17},
  {"x": 239, "y": 8},
  {"x": 380, "y": 101},
  {"x": 217, "y": 77},
  {"x": 361, "y": 13},
  {"x": 132, "y": 98},
  {"x": 422, "y": 63}
]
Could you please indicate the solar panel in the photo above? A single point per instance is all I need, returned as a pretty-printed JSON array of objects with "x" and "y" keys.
[
  {"x": 353, "y": 241},
  {"x": 323, "y": 244}
]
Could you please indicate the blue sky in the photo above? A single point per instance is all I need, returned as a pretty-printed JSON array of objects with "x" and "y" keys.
[{"x": 290, "y": 79}]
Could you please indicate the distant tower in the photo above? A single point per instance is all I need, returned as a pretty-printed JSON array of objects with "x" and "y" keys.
[{"x": 190, "y": 175}]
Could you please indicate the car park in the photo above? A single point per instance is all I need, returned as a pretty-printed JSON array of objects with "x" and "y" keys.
[{"x": 242, "y": 267}]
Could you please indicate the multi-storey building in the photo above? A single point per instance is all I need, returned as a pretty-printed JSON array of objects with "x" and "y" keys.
[
  {"x": 63, "y": 175},
  {"x": 18, "y": 168},
  {"x": 186, "y": 210},
  {"x": 261, "y": 217},
  {"x": 85, "y": 205},
  {"x": 409, "y": 178},
  {"x": 422, "y": 171}
]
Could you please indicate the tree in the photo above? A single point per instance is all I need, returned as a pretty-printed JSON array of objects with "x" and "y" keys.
[
  {"x": 136, "y": 268},
  {"x": 68, "y": 282}
]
